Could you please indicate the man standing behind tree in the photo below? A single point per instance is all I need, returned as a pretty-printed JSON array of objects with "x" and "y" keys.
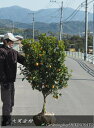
[{"x": 8, "y": 67}]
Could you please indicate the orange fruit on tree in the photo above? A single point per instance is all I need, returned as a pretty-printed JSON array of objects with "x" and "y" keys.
[
  {"x": 53, "y": 86},
  {"x": 40, "y": 54},
  {"x": 50, "y": 66},
  {"x": 37, "y": 64}
]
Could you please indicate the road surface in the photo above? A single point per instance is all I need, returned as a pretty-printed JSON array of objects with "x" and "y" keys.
[{"x": 76, "y": 99}]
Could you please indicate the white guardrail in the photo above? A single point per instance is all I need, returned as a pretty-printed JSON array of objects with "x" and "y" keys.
[{"x": 80, "y": 55}]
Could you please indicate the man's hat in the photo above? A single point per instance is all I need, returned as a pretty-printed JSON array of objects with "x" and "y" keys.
[
  {"x": 10, "y": 36},
  {"x": 19, "y": 37}
]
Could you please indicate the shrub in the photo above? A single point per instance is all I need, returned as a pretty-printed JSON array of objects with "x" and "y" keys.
[{"x": 44, "y": 67}]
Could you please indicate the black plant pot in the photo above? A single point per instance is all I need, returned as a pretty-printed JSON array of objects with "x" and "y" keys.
[{"x": 44, "y": 119}]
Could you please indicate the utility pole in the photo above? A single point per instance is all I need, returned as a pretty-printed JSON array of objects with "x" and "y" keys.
[
  {"x": 33, "y": 19},
  {"x": 61, "y": 21},
  {"x": 12, "y": 26},
  {"x": 86, "y": 31},
  {"x": 93, "y": 33},
  {"x": 93, "y": 29},
  {"x": 61, "y": 16},
  {"x": 33, "y": 27}
]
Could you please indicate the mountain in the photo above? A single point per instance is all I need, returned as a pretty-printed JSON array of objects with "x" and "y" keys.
[
  {"x": 51, "y": 15},
  {"x": 45, "y": 19},
  {"x": 15, "y": 13},
  {"x": 72, "y": 27}
]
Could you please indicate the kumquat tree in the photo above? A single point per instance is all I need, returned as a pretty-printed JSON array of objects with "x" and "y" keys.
[{"x": 44, "y": 67}]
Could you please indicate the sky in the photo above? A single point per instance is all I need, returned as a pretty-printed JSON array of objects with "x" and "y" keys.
[{"x": 35, "y": 5}]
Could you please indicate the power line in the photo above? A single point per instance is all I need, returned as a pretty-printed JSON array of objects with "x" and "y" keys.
[
  {"x": 73, "y": 14},
  {"x": 90, "y": 1},
  {"x": 75, "y": 11}
]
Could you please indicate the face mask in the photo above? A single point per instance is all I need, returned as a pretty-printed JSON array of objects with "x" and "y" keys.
[{"x": 9, "y": 46}]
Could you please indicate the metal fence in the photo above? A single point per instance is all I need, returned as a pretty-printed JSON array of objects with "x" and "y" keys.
[{"x": 80, "y": 55}]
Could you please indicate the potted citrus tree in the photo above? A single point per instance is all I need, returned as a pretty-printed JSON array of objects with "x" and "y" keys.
[{"x": 44, "y": 67}]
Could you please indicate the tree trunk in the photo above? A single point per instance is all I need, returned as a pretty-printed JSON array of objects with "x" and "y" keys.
[{"x": 44, "y": 105}]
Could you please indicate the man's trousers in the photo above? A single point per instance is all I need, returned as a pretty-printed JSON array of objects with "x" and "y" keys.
[{"x": 7, "y": 97}]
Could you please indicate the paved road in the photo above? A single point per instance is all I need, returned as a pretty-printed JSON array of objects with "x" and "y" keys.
[{"x": 76, "y": 99}]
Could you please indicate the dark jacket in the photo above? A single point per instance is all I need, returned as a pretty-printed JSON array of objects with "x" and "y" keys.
[{"x": 8, "y": 64}]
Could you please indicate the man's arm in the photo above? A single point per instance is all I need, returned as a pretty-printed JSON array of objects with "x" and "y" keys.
[{"x": 20, "y": 58}]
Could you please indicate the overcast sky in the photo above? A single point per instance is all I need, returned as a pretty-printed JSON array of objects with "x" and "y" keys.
[{"x": 43, "y": 4}]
